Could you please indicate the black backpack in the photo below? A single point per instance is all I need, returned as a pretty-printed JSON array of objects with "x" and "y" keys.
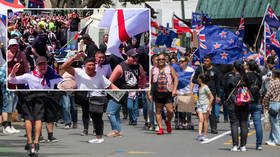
[{"x": 255, "y": 86}]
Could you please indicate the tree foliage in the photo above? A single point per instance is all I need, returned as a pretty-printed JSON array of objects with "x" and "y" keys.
[{"x": 89, "y": 3}]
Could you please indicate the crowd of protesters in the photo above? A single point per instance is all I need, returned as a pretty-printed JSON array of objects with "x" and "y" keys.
[
  {"x": 33, "y": 41},
  {"x": 259, "y": 82}
]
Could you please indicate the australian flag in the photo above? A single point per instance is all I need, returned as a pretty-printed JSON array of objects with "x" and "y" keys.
[
  {"x": 165, "y": 36},
  {"x": 272, "y": 31},
  {"x": 219, "y": 43}
]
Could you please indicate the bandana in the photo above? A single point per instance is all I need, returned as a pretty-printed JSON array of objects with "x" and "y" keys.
[{"x": 37, "y": 74}]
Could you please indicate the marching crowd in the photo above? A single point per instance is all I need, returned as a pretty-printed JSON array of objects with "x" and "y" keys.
[
  {"x": 31, "y": 64},
  {"x": 179, "y": 87}
]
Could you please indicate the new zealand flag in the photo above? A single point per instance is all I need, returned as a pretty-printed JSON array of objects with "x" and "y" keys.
[
  {"x": 219, "y": 43},
  {"x": 271, "y": 18},
  {"x": 165, "y": 36}
]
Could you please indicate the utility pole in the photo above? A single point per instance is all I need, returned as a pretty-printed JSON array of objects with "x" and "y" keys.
[{"x": 183, "y": 39}]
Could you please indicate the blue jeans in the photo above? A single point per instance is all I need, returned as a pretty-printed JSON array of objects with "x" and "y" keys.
[
  {"x": 256, "y": 110},
  {"x": 113, "y": 112},
  {"x": 274, "y": 135},
  {"x": 149, "y": 110},
  {"x": 132, "y": 106},
  {"x": 73, "y": 45},
  {"x": 10, "y": 101},
  {"x": 218, "y": 107},
  {"x": 69, "y": 109}
]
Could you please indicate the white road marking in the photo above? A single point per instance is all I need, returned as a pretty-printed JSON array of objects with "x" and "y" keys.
[{"x": 221, "y": 135}]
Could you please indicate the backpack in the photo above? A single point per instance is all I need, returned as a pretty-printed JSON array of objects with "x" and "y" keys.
[{"x": 255, "y": 86}]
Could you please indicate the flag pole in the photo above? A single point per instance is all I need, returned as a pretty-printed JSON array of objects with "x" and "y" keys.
[
  {"x": 261, "y": 25},
  {"x": 75, "y": 35}
]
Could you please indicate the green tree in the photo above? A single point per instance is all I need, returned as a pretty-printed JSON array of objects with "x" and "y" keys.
[{"x": 89, "y": 3}]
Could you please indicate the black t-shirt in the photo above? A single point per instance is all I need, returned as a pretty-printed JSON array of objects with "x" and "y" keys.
[
  {"x": 213, "y": 83},
  {"x": 130, "y": 76},
  {"x": 29, "y": 37},
  {"x": 40, "y": 44},
  {"x": 74, "y": 24}
]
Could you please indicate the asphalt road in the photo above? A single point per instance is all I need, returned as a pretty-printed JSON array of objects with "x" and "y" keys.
[{"x": 136, "y": 142}]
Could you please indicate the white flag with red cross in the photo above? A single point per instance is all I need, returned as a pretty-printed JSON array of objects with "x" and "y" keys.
[{"x": 125, "y": 24}]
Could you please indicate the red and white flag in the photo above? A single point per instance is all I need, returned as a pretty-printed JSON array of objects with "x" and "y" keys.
[
  {"x": 126, "y": 23},
  {"x": 180, "y": 26},
  {"x": 11, "y": 4},
  {"x": 154, "y": 28}
]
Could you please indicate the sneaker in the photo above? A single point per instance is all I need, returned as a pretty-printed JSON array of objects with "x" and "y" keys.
[
  {"x": 67, "y": 126},
  {"x": 160, "y": 132},
  {"x": 259, "y": 148},
  {"x": 52, "y": 140},
  {"x": 234, "y": 149},
  {"x": 168, "y": 127},
  {"x": 243, "y": 149},
  {"x": 84, "y": 133},
  {"x": 97, "y": 141},
  {"x": 270, "y": 143},
  {"x": 14, "y": 130},
  {"x": 28, "y": 147},
  {"x": 42, "y": 140},
  {"x": 204, "y": 138},
  {"x": 8, "y": 130},
  {"x": 37, "y": 147},
  {"x": 198, "y": 137}
]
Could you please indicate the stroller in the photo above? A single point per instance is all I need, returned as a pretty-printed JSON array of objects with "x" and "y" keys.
[{"x": 184, "y": 104}]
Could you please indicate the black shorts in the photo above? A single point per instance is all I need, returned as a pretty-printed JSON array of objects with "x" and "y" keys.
[
  {"x": 33, "y": 110},
  {"x": 52, "y": 111},
  {"x": 163, "y": 98}
]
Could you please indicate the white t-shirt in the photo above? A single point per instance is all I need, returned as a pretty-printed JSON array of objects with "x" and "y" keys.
[
  {"x": 104, "y": 70},
  {"x": 33, "y": 82},
  {"x": 86, "y": 82},
  {"x": 203, "y": 98}
]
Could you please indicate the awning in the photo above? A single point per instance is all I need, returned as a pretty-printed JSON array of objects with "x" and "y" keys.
[{"x": 225, "y": 9}]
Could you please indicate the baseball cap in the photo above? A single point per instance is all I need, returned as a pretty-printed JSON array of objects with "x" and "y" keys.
[
  {"x": 131, "y": 53},
  {"x": 41, "y": 59},
  {"x": 12, "y": 42}
]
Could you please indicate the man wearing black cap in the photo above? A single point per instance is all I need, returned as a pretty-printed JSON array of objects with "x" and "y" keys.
[
  {"x": 91, "y": 46},
  {"x": 129, "y": 74}
]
